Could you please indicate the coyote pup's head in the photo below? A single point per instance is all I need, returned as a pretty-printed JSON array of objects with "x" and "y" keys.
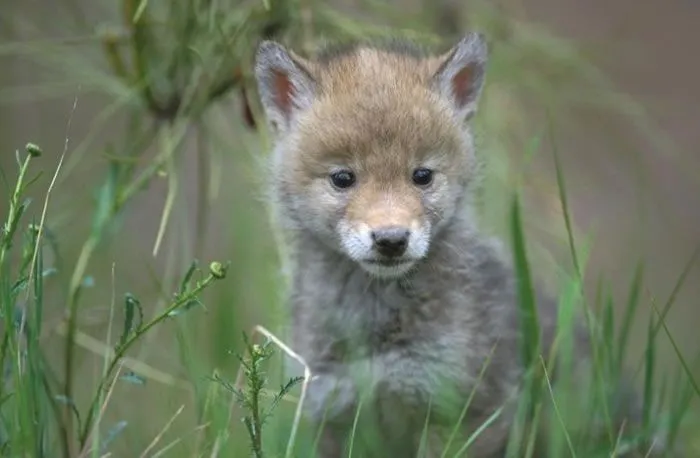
[{"x": 373, "y": 153}]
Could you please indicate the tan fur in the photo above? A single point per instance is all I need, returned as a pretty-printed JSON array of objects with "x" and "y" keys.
[
  {"x": 379, "y": 204},
  {"x": 364, "y": 101},
  {"x": 423, "y": 323},
  {"x": 343, "y": 127}
]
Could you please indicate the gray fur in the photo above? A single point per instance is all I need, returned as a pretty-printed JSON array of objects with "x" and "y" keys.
[
  {"x": 414, "y": 337},
  {"x": 470, "y": 53},
  {"x": 442, "y": 321},
  {"x": 270, "y": 58}
]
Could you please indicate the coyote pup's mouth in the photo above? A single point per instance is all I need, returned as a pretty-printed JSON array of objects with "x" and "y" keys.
[
  {"x": 387, "y": 268},
  {"x": 388, "y": 262}
]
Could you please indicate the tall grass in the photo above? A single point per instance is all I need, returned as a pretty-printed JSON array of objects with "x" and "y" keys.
[{"x": 169, "y": 72}]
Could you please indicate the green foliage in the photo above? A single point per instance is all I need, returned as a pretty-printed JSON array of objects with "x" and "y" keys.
[
  {"x": 250, "y": 398},
  {"x": 31, "y": 403},
  {"x": 168, "y": 68}
]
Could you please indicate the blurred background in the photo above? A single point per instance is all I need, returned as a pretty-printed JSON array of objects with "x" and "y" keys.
[{"x": 612, "y": 87}]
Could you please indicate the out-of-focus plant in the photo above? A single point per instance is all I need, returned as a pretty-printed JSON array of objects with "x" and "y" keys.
[{"x": 165, "y": 67}]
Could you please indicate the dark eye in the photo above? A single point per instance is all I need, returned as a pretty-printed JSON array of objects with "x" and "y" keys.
[
  {"x": 422, "y": 177},
  {"x": 343, "y": 179}
]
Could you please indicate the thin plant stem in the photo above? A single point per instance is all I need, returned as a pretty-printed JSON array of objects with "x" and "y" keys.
[
  {"x": 13, "y": 214},
  {"x": 86, "y": 253},
  {"x": 121, "y": 351}
]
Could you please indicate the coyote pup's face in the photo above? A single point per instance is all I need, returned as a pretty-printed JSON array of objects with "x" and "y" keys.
[{"x": 372, "y": 149}]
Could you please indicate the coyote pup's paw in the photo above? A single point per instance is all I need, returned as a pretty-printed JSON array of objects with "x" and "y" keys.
[{"x": 331, "y": 396}]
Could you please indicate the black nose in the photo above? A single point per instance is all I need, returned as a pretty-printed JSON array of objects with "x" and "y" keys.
[{"x": 391, "y": 241}]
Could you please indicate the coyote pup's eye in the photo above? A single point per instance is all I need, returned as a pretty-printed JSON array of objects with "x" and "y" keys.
[
  {"x": 343, "y": 179},
  {"x": 422, "y": 176}
]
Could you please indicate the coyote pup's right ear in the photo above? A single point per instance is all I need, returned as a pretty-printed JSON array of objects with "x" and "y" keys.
[
  {"x": 460, "y": 76},
  {"x": 284, "y": 82}
]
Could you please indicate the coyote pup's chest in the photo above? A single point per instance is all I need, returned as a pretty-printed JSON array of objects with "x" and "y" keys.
[
  {"x": 359, "y": 319},
  {"x": 369, "y": 316}
]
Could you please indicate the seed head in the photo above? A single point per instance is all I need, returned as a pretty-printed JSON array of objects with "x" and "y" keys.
[
  {"x": 33, "y": 150},
  {"x": 217, "y": 270}
]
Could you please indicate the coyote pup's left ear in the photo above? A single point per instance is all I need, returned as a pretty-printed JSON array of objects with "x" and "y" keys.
[
  {"x": 284, "y": 83},
  {"x": 460, "y": 76}
]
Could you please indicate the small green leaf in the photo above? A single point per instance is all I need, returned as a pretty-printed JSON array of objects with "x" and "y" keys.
[
  {"x": 284, "y": 390},
  {"x": 131, "y": 306},
  {"x": 32, "y": 181},
  {"x": 11, "y": 225},
  {"x": 19, "y": 286},
  {"x": 188, "y": 276}
]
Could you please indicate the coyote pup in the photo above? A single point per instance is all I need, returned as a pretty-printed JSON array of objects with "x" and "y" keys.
[{"x": 372, "y": 178}]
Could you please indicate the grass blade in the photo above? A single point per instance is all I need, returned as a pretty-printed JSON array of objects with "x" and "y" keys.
[
  {"x": 677, "y": 287},
  {"x": 684, "y": 364},
  {"x": 630, "y": 311},
  {"x": 530, "y": 338},
  {"x": 649, "y": 363}
]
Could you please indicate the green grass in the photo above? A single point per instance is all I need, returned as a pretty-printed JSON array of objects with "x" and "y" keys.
[{"x": 157, "y": 374}]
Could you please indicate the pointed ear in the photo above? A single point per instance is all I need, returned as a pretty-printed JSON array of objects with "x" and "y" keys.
[
  {"x": 284, "y": 83},
  {"x": 460, "y": 75}
]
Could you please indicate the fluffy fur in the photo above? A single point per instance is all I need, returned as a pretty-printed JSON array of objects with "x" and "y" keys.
[{"x": 425, "y": 323}]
